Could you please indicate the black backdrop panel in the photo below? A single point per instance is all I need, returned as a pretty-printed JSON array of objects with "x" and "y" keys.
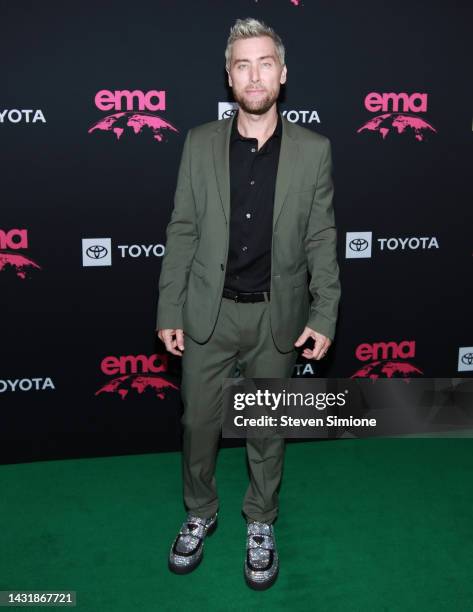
[{"x": 88, "y": 178}]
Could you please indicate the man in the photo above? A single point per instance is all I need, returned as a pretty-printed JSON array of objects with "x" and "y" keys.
[{"x": 252, "y": 216}]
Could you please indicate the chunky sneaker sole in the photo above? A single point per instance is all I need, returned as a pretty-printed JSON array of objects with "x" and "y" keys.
[
  {"x": 186, "y": 555},
  {"x": 264, "y": 583}
]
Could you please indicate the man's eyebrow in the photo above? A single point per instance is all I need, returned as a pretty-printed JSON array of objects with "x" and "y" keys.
[{"x": 260, "y": 58}]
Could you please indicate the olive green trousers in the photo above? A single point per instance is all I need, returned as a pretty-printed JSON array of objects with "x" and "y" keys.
[{"x": 241, "y": 338}]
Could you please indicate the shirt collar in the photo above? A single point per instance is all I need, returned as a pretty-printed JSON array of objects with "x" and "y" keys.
[{"x": 235, "y": 134}]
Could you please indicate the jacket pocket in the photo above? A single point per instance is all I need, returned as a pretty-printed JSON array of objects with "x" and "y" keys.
[{"x": 302, "y": 189}]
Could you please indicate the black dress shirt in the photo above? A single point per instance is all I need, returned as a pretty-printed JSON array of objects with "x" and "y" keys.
[{"x": 252, "y": 187}]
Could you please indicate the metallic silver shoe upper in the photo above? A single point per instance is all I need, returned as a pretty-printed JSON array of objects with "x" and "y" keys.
[
  {"x": 262, "y": 560},
  {"x": 188, "y": 544}
]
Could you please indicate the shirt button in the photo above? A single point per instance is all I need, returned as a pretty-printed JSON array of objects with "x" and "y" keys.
[
  {"x": 245, "y": 248},
  {"x": 253, "y": 150},
  {"x": 248, "y": 215},
  {"x": 252, "y": 182}
]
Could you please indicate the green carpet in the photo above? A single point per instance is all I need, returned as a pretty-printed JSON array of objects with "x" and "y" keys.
[{"x": 369, "y": 525}]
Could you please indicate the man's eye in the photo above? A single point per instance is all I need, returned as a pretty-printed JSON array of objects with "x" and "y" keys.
[{"x": 266, "y": 64}]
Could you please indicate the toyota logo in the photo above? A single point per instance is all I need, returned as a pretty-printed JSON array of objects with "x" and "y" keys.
[
  {"x": 228, "y": 113},
  {"x": 97, "y": 251},
  {"x": 467, "y": 359},
  {"x": 358, "y": 244}
]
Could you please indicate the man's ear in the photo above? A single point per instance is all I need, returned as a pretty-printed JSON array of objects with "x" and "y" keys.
[
  {"x": 283, "y": 78},
  {"x": 229, "y": 78}
]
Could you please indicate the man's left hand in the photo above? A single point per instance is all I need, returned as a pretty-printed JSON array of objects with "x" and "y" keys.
[{"x": 321, "y": 346}]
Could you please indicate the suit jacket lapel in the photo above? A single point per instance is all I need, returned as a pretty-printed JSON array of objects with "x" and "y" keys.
[
  {"x": 221, "y": 153},
  {"x": 287, "y": 161}
]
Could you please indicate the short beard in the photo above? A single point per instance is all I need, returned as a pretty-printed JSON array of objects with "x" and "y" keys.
[{"x": 263, "y": 106}]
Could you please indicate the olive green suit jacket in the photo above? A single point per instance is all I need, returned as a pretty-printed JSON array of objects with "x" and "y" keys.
[{"x": 303, "y": 253}]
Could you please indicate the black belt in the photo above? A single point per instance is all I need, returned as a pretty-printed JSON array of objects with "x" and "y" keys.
[{"x": 242, "y": 296}]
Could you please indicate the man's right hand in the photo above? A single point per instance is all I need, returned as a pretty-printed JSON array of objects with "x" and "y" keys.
[{"x": 172, "y": 338}]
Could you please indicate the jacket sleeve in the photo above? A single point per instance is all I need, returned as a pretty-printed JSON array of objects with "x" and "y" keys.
[
  {"x": 181, "y": 244},
  {"x": 321, "y": 250}
]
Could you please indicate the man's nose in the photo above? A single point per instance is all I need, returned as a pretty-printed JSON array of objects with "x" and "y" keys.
[{"x": 254, "y": 74}]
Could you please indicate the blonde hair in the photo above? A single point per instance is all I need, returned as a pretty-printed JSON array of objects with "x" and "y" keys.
[{"x": 249, "y": 28}]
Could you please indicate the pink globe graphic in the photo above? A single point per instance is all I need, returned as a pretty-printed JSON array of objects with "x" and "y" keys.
[
  {"x": 388, "y": 369},
  {"x": 138, "y": 384},
  {"x": 136, "y": 124},
  {"x": 397, "y": 124},
  {"x": 22, "y": 266}
]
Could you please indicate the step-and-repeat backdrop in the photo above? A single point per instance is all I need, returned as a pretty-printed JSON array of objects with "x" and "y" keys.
[{"x": 95, "y": 103}]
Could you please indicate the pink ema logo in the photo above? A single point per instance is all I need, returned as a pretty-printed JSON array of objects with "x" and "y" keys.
[
  {"x": 389, "y": 360},
  {"x": 401, "y": 123},
  {"x": 129, "y": 119},
  {"x": 138, "y": 375},
  {"x": 21, "y": 265}
]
